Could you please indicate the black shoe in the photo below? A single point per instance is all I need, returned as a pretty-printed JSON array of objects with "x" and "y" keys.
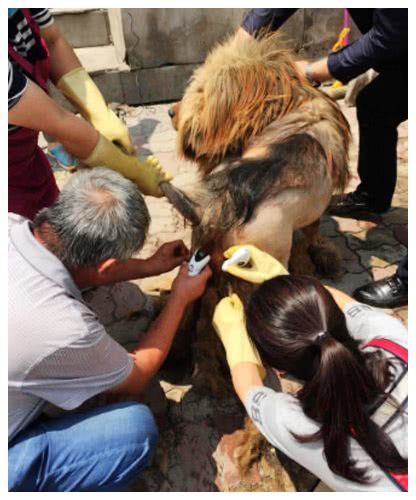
[
  {"x": 354, "y": 205},
  {"x": 388, "y": 292}
]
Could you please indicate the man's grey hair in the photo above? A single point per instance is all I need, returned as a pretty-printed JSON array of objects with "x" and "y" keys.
[{"x": 99, "y": 214}]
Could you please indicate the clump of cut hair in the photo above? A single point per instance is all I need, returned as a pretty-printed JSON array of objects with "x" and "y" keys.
[{"x": 99, "y": 214}]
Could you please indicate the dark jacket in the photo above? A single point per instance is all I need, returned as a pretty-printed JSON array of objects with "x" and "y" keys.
[{"x": 383, "y": 46}]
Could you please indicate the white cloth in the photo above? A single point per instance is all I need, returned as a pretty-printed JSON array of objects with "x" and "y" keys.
[{"x": 58, "y": 350}]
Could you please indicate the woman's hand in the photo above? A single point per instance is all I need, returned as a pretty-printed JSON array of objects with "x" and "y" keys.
[
  {"x": 262, "y": 266},
  {"x": 229, "y": 323}
]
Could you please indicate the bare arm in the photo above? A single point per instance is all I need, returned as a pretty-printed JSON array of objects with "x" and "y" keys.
[
  {"x": 37, "y": 111},
  {"x": 153, "y": 349},
  {"x": 62, "y": 56},
  {"x": 341, "y": 298},
  {"x": 319, "y": 71},
  {"x": 242, "y": 34},
  {"x": 166, "y": 258},
  {"x": 245, "y": 376}
]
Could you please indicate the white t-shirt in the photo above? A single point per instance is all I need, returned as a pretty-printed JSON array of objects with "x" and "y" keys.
[
  {"x": 276, "y": 414},
  {"x": 58, "y": 350}
]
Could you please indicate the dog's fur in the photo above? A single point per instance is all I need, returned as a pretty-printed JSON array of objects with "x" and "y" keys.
[
  {"x": 270, "y": 147},
  {"x": 271, "y": 150}
]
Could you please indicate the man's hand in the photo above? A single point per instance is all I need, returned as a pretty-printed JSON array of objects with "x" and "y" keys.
[
  {"x": 189, "y": 288},
  {"x": 318, "y": 70},
  {"x": 301, "y": 66},
  {"x": 168, "y": 256}
]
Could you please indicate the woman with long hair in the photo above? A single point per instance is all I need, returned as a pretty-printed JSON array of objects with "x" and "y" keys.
[{"x": 348, "y": 422}]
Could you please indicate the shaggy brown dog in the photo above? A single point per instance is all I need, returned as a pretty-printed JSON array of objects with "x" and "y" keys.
[
  {"x": 270, "y": 147},
  {"x": 271, "y": 150}
]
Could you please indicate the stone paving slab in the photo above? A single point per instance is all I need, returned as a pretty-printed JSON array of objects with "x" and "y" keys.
[{"x": 193, "y": 454}]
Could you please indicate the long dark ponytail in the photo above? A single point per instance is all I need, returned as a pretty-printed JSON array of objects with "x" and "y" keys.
[{"x": 297, "y": 327}]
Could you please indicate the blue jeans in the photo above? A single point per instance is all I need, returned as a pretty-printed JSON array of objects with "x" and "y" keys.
[{"x": 99, "y": 450}]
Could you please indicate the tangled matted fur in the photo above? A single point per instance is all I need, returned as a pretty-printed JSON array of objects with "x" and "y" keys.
[
  {"x": 243, "y": 86},
  {"x": 257, "y": 128}
]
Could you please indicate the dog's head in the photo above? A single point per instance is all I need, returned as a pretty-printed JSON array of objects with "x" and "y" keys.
[{"x": 243, "y": 85}]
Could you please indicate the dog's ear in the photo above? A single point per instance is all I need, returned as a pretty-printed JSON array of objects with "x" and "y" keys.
[{"x": 190, "y": 145}]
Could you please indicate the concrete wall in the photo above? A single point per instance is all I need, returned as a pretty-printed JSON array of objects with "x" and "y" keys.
[
  {"x": 163, "y": 46},
  {"x": 157, "y": 37},
  {"x": 85, "y": 29}
]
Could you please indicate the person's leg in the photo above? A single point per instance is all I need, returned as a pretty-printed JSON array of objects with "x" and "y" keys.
[
  {"x": 381, "y": 107},
  {"x": 100, "y": 450},
  {"x": 402, "y": 271}
]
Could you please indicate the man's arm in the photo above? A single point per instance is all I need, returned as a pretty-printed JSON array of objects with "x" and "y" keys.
[
  {"x": 273, "y": 19},
  {"x": 386, "y": 40},
  {"x": 153, "y": 349},
  {"x": 166, "y": 258},
  {"x": 62, "y": 56},
  {"x": 257, "y": 19},
  {"x": 37, "y": 111}
]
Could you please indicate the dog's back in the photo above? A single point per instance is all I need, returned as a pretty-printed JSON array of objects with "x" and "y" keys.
[{"x": 271, "y": 148}]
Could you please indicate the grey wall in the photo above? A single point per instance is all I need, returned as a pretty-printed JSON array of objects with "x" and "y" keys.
[
  {"x": 85, "y": 29},
  {"x": 156, "y": 37},
  {"x": 164, "y": 45}
]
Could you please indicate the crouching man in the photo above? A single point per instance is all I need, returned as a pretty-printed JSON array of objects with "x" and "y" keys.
[{"x": 60, "y": 353}]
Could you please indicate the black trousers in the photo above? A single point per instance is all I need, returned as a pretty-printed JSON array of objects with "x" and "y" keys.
[
  {"x": 402, "y": 271},
  {"x": 381, "y": 106}
]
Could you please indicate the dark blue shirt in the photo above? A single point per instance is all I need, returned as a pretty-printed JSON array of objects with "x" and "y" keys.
[{"x": 384, "y": 43}]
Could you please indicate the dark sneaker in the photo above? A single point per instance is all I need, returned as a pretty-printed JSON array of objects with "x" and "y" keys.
[
  {"x": 354, "y": 204},
  {"x": 388, "y": 292}
]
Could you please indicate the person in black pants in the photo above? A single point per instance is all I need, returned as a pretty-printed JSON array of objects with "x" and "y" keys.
[{"x": 381, "y": 105}]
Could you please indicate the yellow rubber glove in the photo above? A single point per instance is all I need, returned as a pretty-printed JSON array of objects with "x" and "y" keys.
[
  {"x": 262, "y": 265},
  {"x": 79, "y": 88},
  {"x": 228, "y": 321},
  {"x": 146, "y": 174}
]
